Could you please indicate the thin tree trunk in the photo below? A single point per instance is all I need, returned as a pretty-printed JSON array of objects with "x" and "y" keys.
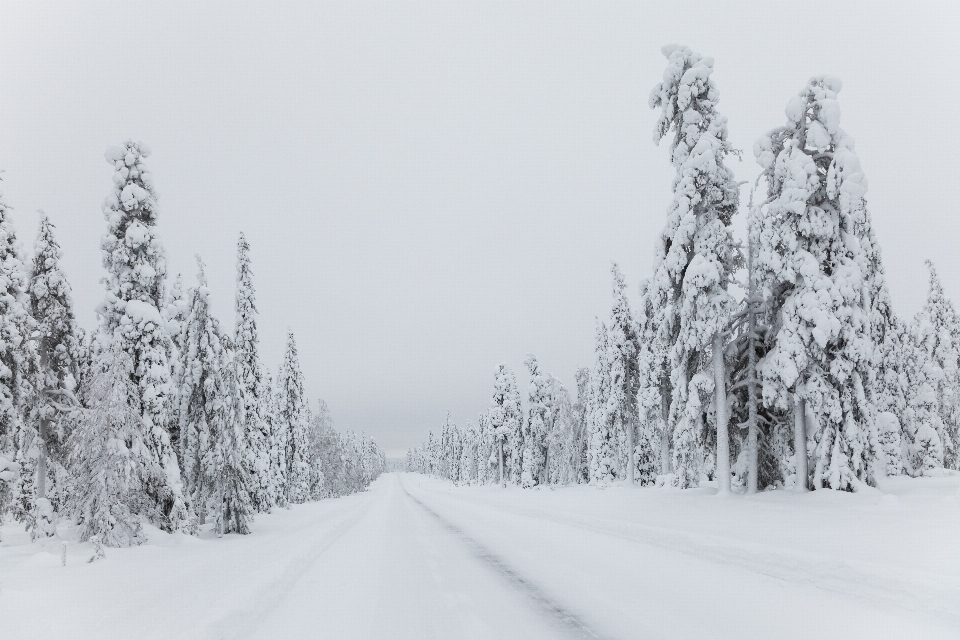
[
  {"x": 503, "y": 482},
  {"x": 752, "y": 426},
  {"x": 723, "y": 436},
  {"x": 42, "y": 460},
  {"x": 800, "y": 442},
  {"x": 665, "y": 433},
  {"x": 631, "y": 463}
]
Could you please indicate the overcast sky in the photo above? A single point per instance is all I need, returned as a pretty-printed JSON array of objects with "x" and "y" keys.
[{"x": 431, "y": 189}]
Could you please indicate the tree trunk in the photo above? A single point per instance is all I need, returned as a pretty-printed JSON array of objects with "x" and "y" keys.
[
  {"x": 42, "y": 460},
  {"x": 631, "y": 462},
  {"x": 723, "y": 437},
  {"x": 800, "y": 442},
  {"x": 503, "y": 482},
  {"x": 665, "y": 432},
  {"x": 752, "y": 426}
]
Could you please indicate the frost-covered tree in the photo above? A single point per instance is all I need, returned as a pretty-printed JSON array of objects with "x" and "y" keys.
[
  {"x": 487, "y": 452},
  {"x": 811, "y": 266},
  {"x": 505, "y": 419},
  {"x": 292, "y": 422},
  {"x": 18, "y": 366},
  {"x": 468, "y": 454},
  {"x": 939, "y": 336},
  {"x": 255, "y": 392},
  {"x": 175, "y": 309},
  {"x": 695, "y": 258},
  {"x": 58, "y": 349},
  {"x": 201, "y": 387},
  {"x": 601, "y": 439},
  {"x": 228, "y": 477},
  {"x": 625, "y": 376},
  {"x": 111, "y": 461},
  {"x": 130, "y": 313},
  {"x": 276, "y": 443},
  {"x": 538, "y": 425}
]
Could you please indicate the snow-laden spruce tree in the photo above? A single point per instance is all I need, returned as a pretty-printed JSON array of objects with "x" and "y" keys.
[
  {"x": 18, "y": 366},
  {"x": 538, "y": 425},
  {"x": 276, "y": 442},
  {"x": 228, "y": 477},
  {"x": 625, "y": 376},
  {"x": 695, "y": 258},
  {"x": 58, "y": 349},
  {"x": 201, "y": 385},
  {"x": 810, "y": 265},
  {"x": 468, "y": 455},
  {"x": 175, "y": 309},
  {"x": 255, "y": 392},
  {"x": 893, "y": 393},
  {"x": 652, "y": 445},
  {"x": 111, "y": 461},
  {"x": 505, "y": 419},
  {"x": 939, "y": 336},
  {"x": 601, "y": 439},
  {"x": 292, "y": 421},
  {"x": 487, "y": 452},
  {"x": 130, "y": 313},
  {"x": 319, "y": 432}
]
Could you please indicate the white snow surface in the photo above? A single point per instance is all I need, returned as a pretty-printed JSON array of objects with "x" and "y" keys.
[{"x": 415, "y": 557}]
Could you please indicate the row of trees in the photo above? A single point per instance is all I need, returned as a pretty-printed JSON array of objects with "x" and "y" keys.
[
  {"x": 158, "y": 416},
  {"x": 777, "y": 363}
]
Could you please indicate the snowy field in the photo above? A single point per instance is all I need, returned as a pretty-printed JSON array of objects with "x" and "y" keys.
[{"x": 415, "y": 557}]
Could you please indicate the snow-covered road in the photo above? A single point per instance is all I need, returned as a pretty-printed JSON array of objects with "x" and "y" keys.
[{"x": 415, "y": 557}]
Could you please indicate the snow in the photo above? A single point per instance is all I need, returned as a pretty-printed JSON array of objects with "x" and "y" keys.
[
  {"x": 415, "y": 557},
  {"x": 140, "y": 311}
]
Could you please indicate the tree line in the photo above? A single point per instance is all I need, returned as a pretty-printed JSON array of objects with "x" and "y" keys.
[
  {"x": 158, "y": 416},
  {"x": 777, "y": 361}
]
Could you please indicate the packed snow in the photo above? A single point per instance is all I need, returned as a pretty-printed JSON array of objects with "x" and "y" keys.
[{"x": 418, "y": 557}]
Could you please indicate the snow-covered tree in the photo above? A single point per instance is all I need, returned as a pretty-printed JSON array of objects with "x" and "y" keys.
[
  {"x": 695, "y": 258},
  {"x": 538, "y": 425},
  {"x": 292, "y": 419},
  {"x": 136, "y": 270},
  {"x": 505, "y": 419},
  {"x": 18, "y": 366},
  {"x": 812, "y": 268},
  {"x": 229, "y": 478},
  {"x": 58, "y": 348},
  {"x": 201, "y": 388},
  {"x": 601, "y": 439},
  {"x": 175, "y": 309},
  {"x": 255, "y": 392},
  {"x": 468, "y": 453},
  {"x": 111, "y": 462},
  {"x": 938, "y": 330},
  {"x": 625, "y": 375}
]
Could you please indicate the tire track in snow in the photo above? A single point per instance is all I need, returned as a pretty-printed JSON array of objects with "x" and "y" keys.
[
  {"x": 568, "y": 620},
  {"x": 884, "y": 588}
]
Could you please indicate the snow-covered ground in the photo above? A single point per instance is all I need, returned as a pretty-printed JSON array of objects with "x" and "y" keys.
[{"x": 415, "y": 557}]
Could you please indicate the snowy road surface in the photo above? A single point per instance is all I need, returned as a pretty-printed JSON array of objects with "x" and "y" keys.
[{"x": 418, "y": 558}]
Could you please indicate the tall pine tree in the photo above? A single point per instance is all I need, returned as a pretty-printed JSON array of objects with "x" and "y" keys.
[
  {"x": 255, "y": 392},
  {"x": 695, "y": 259},
  {"x": 130, "y": 313}
]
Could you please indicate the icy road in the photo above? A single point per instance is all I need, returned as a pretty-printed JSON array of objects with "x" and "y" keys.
[{"x": 418, "y": 558}]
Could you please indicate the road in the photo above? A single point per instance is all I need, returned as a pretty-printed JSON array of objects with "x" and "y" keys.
[
  {"x": 417, "y": 558},
  {"x": 423, "y": 562}
]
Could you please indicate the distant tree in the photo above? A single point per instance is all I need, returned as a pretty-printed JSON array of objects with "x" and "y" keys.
[{"x": 292, "y": 419}]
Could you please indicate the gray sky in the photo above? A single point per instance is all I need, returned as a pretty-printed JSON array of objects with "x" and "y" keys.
[{"x": 431, "y": 189}]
